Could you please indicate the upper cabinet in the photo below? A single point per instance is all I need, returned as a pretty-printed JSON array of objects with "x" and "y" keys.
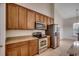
[
  {"x": 51, "y": 21},
  {"x": 41, "y": 18},
  {"x": 37, "y": 17},
  {"x": 30, "y": 19},
  {"x": 45, "y": 21},
  {"x": 22, "y": 19},
  {"x": 19, "y": 17},
  {"x": 48, "y": 21},
  {"x": 12, "y": 16}
]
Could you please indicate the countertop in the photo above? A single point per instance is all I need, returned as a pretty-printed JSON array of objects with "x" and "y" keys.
[{"x": 11, "y": 40}]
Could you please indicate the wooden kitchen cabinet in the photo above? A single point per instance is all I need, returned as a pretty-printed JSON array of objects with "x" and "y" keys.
[
  {"x": 51, "y": 21},
  {"x": 18, "y": 17},
  {"x": 22, "y": 18},
  {"x": 48, "y": 41},
  {"x": 12, "y": 16},
  {"x": 33, "y": 47},
  {"x": 25, "y": 48},
  {"x": 45, "y": 22},
  {"x": 17, "y": 49},
  {"x": 12, "y": 51},
  {"x": 41, "y": 18},
  {"x": 37, "y": 17},
  {"x": 30, "y": 19}
]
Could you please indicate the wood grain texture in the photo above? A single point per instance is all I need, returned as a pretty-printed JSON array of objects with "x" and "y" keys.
[
  {"x": 49, "y": 21},
  {"x": 30, "y": 19},
  {"x": 37, "y": 18},
  {"x": 12, "y": 16},
  {"x": 22, "y": 18},
  {"x": 45, "y": 21},
  {"x": 33, "y": 47},
  {"x": 25, "y": 48},
  {"x": 17, "y": 49},
  {"x": 48, "y": 41},
  {"x": 41, "y": 18},
  {"x": 19, "y": 17},
  {"x": 52, "y": 21}
]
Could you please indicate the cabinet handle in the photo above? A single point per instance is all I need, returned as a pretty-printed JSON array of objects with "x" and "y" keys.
[{"x": 1, "y": 46}]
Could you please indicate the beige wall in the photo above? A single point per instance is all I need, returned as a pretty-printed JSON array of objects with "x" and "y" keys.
[
  {"x": 13, "y": 33},
  {"x": 44, "y": 8},
  {"x": 68, "y": 27},
  {"x": 58, "y": 20}
]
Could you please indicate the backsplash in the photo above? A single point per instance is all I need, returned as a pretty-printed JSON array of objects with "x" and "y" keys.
[{"x": 14, "y": 33}]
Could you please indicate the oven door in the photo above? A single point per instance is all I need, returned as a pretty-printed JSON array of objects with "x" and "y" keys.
[{"x": 43, "y": 43}]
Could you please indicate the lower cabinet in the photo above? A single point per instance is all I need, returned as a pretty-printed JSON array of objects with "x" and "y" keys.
[
  {"x": 12, "y": 52},
  {"x": 27, "y": 48},
  {"x": 33, "y": 47},
  {"x": 48, "y": 41},
  {"x": 24, "y": 50}
]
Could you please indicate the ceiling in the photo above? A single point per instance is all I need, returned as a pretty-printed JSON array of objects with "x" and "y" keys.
[{"x": 67, "y": 10}]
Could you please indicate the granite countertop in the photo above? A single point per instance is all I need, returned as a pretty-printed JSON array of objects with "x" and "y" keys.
[{"x": 11, "y": 40}]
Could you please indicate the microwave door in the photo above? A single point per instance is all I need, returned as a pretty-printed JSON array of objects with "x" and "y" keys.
[{"x": 40, "y": 26}]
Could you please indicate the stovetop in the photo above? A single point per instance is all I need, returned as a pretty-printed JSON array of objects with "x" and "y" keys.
[{"x": 43, "y": 36}]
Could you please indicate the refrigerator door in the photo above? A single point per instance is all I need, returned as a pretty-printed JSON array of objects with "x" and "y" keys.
[
  {"x": 55, "y": 42},
  {"x": 55, "y": 28},
  {"x": 52, "y": 30}
]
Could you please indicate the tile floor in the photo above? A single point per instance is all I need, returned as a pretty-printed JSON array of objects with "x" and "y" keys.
[{"x": 60, "y": 51}]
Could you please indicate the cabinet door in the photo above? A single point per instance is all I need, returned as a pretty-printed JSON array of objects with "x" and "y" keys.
[
  {"x": 22, "y": 18},
  {"x": 24, "y": 50},
  {"x": 52, "y": 21},
  {"x": 58, "y": 39},
  {"x": 30, "y": 19},
  {"x": 33, "y": 47},
  {"x": 12, "y": 16},
  {"x": 17, "y": 49},
  {"x": 41, "y": 18},
  {"x": 48, "y": 41},
  {"x": 49, "y": 20},
  {"x": 45, "y": 21},
  {"x": 37, "y": 17},
  {"x": 12, "y": 51}
]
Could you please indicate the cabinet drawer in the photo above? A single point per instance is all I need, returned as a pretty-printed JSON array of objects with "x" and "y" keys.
[{"x": 16, "y": 44}]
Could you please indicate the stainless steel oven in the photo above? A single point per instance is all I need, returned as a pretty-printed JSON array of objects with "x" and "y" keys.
[
  {"x": 43, "y": 43},
  {"x": 39, "y": 25}
]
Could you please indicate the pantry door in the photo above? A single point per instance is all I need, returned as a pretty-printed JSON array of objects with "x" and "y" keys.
[{"x": 2, "y": 29}]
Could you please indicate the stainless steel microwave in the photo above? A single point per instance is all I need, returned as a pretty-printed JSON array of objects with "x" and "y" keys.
[{"x": 40, "y": 26}]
